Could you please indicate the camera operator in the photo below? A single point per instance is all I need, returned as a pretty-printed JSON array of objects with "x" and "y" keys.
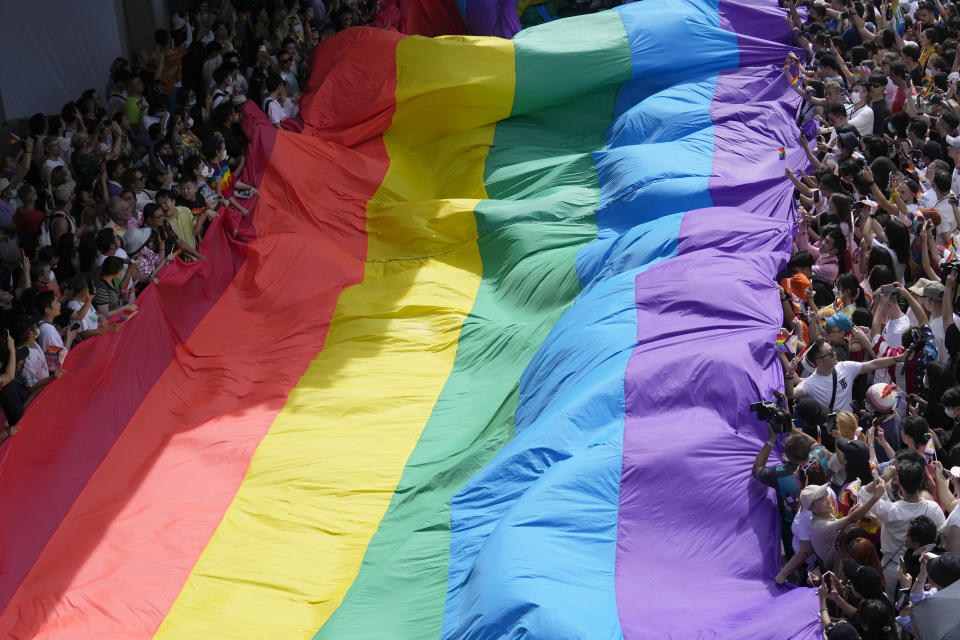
[
  {"x": 831, "y": 384},
  {"x": 782, "y": 478}
]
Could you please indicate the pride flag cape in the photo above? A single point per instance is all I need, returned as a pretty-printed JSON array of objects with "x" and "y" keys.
[{"x": 482, "y": 370}]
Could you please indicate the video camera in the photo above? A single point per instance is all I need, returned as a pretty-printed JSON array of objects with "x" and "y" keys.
[
  {"x": 947, "y": 267},
  {"x": 772, "y": 414}
]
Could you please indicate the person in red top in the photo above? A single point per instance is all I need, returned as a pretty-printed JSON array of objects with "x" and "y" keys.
[
  {"x": 28, "y": 220},
  {"x": 901, "y": 79}
]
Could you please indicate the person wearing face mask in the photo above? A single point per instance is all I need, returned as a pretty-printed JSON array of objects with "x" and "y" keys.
[
  {"x": 861, "y": 114},
  {"x": 184, "y": 141},
  {"x": 950, "y": 403},
  {"x": 196, "y": 169}
]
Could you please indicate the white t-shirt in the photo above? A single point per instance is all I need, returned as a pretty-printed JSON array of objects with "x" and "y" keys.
[
  {"x": 823, "y": 538},
  {"x": 49, "y": 336},
  {"x": 35, "y": 367},
  {"x": 948, "y": 224},
  {"x": 936, "y": 326},
  {"x": 891, "y": 339},
  {"x": 896, "y": 517},
  {"x": 88, "y": 322},
  {"x": 862, "y": 120},
  {"x": 820, "y": 388},
  {"x": 801, "y": 523},
  {"x": 274, "y": 110},
  {"x": 928, "y": 198},
  {"x": 893, "y": 331}
]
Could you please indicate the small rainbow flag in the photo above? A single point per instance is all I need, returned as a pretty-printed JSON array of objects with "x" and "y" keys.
[
  {"x": 123, "y": 316},
  {"x": 782, "y": 338},
  {"x": 795, "y": 80},
  {"x": 786, "y": 342},
  {"x": 861, "y": 73},
  {"x": 51, "y": 350},
  {"x": 13, "y": 138},
  {"x": 783, "y": 153}
]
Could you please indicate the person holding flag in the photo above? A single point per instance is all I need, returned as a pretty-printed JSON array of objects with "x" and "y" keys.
[{"x": 54, "y": 347}]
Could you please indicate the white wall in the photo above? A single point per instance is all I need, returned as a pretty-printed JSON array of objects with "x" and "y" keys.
[{"x": 52, "y": 50}]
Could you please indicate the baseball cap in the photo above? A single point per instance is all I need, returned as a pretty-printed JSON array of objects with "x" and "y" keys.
[
  {"x": 812, "y": 493},
  {"x": 840, "y": 321},
  {"x": 933, "y": 290}
]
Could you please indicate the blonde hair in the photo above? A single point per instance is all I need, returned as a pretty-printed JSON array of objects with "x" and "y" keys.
[{"x": 847, "y": 424}]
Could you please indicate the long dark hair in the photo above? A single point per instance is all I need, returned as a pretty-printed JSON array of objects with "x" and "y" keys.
[
  {"x": 898, "y": 239},
  {"x": 939, "y": 379},
  {"x": 876, "y": 619},
  {"x": 65, "y": 250},
  {"x": 859, "y": 468},
  {"x": 848, "y": 281}
]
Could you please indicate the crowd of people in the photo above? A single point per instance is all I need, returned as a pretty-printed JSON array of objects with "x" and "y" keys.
[
  {"x": 98, "y": 198},
  {"x": 95, "y": 200},
  {"x": 868, "y": 485}
]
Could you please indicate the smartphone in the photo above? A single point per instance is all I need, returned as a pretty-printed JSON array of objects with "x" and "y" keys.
[
  {"x": 816, "y": 195},
  {"x": 888, "y": 289},
  {"x": 74, "y": 326},
  {"x": 831, "y": 421}
]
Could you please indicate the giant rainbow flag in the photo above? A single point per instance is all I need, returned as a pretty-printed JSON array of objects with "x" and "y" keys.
[{"x": 481, "y": 370}]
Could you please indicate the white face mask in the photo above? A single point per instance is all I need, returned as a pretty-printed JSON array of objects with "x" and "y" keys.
[
  {"x": 929, "y": 72},
  {"x": 206, "y": 172},
  {"x": 226, "y": 156},
  {"x": 855, "y": 97},
  {"x": 189, "y": 122},
  {"x": 951, "y": 412},
  {"x": 926, "y": 382}
]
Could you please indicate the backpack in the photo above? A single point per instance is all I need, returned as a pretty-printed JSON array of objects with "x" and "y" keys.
[{"x": 266, "y": 104}]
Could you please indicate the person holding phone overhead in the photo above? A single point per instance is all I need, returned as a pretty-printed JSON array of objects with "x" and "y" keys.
[{"x": 831, "y": 383}]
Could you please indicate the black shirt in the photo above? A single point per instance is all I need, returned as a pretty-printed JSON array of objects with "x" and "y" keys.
[
  {"x": 881, "y": 111},
  {"x": 12, "y": 399}
]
